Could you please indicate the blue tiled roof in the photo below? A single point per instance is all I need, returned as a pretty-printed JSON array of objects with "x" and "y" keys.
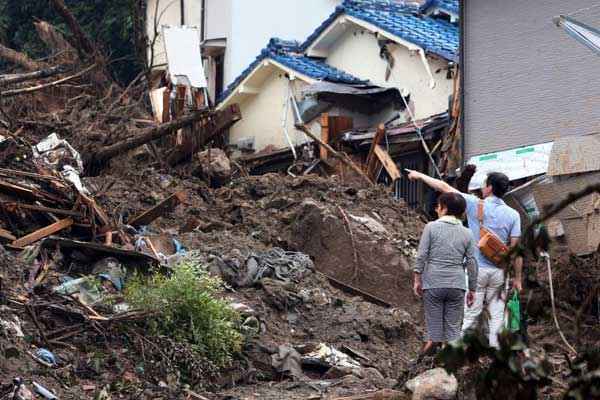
[
  {"x": 434, "y": 35},
  {"x": 449, "y": 6},
  {"x": 289, "y": 53}
]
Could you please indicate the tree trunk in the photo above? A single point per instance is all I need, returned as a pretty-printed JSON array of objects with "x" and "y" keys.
[
  {"x": 43, "y": 73},
  {"x": 20, "y": 59},
  {"x": 64, "y": 52},
  {"x": 85, "y": 46},
  {"x": 104, "y": 154}
]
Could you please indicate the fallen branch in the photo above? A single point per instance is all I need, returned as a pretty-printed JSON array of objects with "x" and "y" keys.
[
  {"x": 15, "y": 92},
  {"x": 21, "y": 59},
  {"x": 340, "y": 156},
  {"x": 43, "y": 73}
]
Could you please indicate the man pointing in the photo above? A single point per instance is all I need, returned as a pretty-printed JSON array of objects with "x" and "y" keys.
[{"x": 505, "y": 223}]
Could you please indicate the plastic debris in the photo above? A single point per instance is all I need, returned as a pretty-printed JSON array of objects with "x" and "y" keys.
[
  {"x": 46, "y": 356},
  {"x": 43, "y": 391},
  {"x": 328, "y": 356}
]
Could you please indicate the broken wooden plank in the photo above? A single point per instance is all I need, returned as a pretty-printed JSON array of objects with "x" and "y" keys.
[
  {"x": 351, "y": 289},
  {"x": 18, "y": 191},
  {"x": 371, "y": 158},
  {"x": 98, "y": 211},
  {"x": 324, "y": 135},
  {"x": 42, "y": 233},
  {"x": 158, "y": 210},
  {"x": 15, "y": 205},
  {"x": 97, "y": 249},
  {"x": 340, "y": 156},
  {"x": 7, "y": 235},
  {"x": 12, "y": 173},
  {"x": 387, "y": 162},
  {"x": 385, "y": 394}
]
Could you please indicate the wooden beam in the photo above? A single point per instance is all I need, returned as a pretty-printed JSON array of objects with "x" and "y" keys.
[
  {"x": 385, "y": 394},
  {"x": 340, "y": 156},
  {"x": 324, "y": 135},
  {"x": 7, "y": 235},
  {"x": 160, "y": 209},
  {"x": 371, "y": 158},
  {"x": 387, "y": 162},
  {"x": 42, "y": 233},
  {"x": 33, "y": 207}
]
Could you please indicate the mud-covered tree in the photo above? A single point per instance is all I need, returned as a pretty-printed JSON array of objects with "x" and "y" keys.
[{"x": 114, "y": 25}]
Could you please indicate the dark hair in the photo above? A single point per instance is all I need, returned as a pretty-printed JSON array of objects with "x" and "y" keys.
[
  {"x": 454, "y": 203},
  {"x": 499, "y": 183}
]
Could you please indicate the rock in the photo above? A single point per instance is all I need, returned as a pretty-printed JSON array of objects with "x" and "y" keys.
[
  {"x": 373, "y": 225},
  {"x": 336, "y": 372},
  {"x": 434, "y": 384},
  {"x": 216, "y": 164}
]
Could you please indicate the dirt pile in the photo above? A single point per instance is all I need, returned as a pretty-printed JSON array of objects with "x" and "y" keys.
[{"x": 226, "y": 226}]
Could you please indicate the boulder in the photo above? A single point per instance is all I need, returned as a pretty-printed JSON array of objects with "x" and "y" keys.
[
  {"x": 435, "y": 384},
  {"x": 215, "y": 164}
]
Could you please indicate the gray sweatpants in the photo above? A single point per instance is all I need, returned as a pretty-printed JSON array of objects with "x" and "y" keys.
[{"x": 444, "y": 310}]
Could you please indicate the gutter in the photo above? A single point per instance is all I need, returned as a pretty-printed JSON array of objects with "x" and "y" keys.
[
  {"x": 461, "y": 69},
  {"x": 182, "y": 10},
  {"x": 202, "y": 20}
]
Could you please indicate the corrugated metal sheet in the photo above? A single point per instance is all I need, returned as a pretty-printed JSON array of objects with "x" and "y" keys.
[{"x": 526, "y": 80}]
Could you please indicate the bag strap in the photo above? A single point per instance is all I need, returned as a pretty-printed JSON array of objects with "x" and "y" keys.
[{"x": 480, "y": 213}]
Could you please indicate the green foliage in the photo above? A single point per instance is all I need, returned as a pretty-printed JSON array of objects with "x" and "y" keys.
[
  {"x": 108, "y": 23},
  {"x": 512, "y": 374},
  {"x": 185, "y": 307},
  {"x": 585, "y": 376}
]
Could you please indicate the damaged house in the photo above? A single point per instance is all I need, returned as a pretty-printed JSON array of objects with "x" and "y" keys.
[{"x": 369, "y": 63}]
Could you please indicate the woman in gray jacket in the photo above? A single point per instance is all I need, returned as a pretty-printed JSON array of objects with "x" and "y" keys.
[{"x": 446, "y": 249}]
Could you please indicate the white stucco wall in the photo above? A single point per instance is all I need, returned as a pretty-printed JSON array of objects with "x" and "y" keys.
[
  {"x": 254, "y": 22},
  {"x": 409, "y": 72},
  {"x": 262, "y": 115},
  {"x": 169, "y": 13}
]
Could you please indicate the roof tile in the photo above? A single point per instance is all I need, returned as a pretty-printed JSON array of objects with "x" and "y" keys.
[
  {"x": 405, "y": 21},
  {"x": 289, "y": 53}
]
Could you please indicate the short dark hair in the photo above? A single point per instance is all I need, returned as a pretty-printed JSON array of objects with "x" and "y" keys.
[
  {"x": 499, "y": 183},
  {"x": 454, "y": 203}
]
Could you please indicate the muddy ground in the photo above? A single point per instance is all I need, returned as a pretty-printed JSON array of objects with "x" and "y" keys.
[{"x": 359, "y": 237}]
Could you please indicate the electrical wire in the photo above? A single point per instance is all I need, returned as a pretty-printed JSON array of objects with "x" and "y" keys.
[{"x": 546, "y": 256}]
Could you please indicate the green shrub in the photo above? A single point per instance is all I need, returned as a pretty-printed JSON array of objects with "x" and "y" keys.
[{"x": 184, "y": 306}]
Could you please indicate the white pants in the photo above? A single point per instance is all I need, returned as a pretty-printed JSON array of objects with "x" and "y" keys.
[{"x": 490, "y": 282}]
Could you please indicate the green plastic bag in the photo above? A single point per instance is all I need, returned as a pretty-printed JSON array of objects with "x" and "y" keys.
[{"x": 514, "y": 313}]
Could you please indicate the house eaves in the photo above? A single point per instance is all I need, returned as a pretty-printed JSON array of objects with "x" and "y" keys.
[
  {"x": 403, "y": 25},
  {"x": 286, "y": 56}
]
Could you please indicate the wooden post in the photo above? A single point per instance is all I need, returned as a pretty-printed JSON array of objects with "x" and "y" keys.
[
  {"x": 387, "y": 162},
  {"x": 42, "y": 233},
  {"x": 371, "y": 158},
  {"x": 324, "y": 135}
]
